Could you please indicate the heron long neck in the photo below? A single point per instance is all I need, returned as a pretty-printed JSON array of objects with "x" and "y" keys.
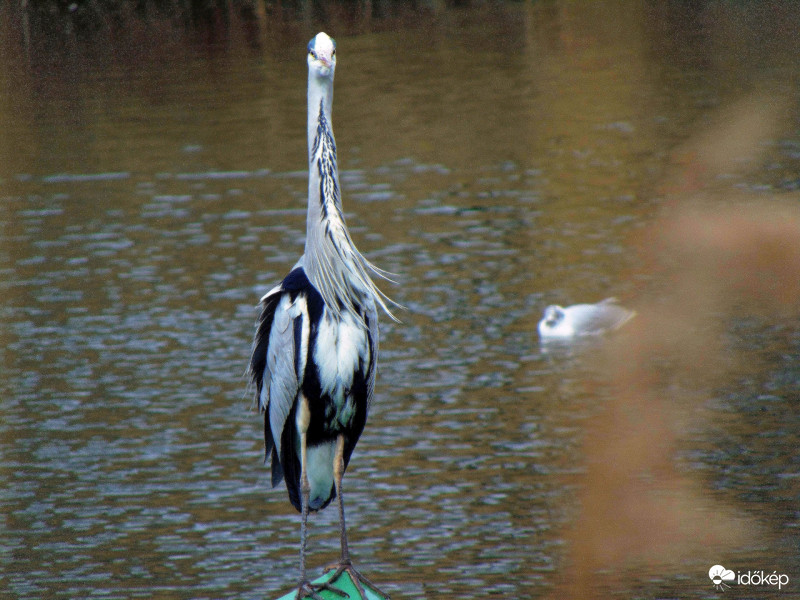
[
  {"x": 332, "y": 262},
  {"x": 320, "y": 100}
]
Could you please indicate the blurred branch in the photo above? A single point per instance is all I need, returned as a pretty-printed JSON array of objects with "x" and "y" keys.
[{"x": 712, "y": 258}]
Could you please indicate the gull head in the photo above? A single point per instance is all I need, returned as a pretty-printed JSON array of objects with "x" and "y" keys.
[
  {"x": 322, "y": 55},
  {"x": 554, "y": 323},
  {"x": 552, "y": 315}
]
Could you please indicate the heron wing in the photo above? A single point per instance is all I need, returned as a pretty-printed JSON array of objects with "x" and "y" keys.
[{"x": 275, "y": 368}]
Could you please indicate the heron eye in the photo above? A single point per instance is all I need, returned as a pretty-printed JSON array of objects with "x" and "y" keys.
[
  {"x": 334, "y": 52},
  {"x": 312, "y": 54}
]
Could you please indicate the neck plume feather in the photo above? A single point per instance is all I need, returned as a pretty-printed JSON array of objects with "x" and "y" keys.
[{"x": 332, "y": 262}]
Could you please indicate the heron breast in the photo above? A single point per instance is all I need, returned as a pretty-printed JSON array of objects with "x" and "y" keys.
[{"x": 341, "y": 350}]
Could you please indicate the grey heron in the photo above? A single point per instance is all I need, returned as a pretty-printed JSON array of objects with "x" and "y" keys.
[
  {"x": 316, "y": 344},
  {"x": 583, "y": 319}
]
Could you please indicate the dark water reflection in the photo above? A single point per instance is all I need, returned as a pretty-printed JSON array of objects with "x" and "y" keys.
[{"x": 497, "y": 159}]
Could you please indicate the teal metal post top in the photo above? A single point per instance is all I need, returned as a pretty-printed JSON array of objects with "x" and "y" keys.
[{"x": 343, "y": 583}]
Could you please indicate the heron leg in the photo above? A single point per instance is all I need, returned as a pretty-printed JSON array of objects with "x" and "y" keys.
[
  {"x": 345, "y": 564},
  {"x": 305, "y": 589},
  {"x": 338, "y": 473}
]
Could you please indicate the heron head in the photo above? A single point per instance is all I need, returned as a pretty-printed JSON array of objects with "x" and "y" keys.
[
  {"x": 553, "y": 314},
  {"x": 322, "y": 54}
]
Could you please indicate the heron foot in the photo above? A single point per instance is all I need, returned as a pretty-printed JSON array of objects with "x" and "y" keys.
[
  {"x": 358, "y": 579},
  {"x": 308, "y": 590}
]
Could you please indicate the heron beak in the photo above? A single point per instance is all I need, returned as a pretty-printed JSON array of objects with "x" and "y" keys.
[{"x": 325, "y": 61}]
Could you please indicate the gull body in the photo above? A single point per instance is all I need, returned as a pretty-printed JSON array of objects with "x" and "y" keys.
[
  {"x": 583, "y": 319},
  {"x": 316, "y": 345}
]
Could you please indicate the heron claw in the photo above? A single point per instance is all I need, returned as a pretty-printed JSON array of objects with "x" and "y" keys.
[
  {"x": 308, "y": 590},
  {"x": 358, "y": 579}
]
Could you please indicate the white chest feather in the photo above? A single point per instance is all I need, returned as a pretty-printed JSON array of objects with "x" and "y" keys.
[{"x": 342, "y": 348}]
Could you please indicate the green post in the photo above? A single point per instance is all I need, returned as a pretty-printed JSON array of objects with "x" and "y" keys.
[{"x": 343, "y": 583}]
